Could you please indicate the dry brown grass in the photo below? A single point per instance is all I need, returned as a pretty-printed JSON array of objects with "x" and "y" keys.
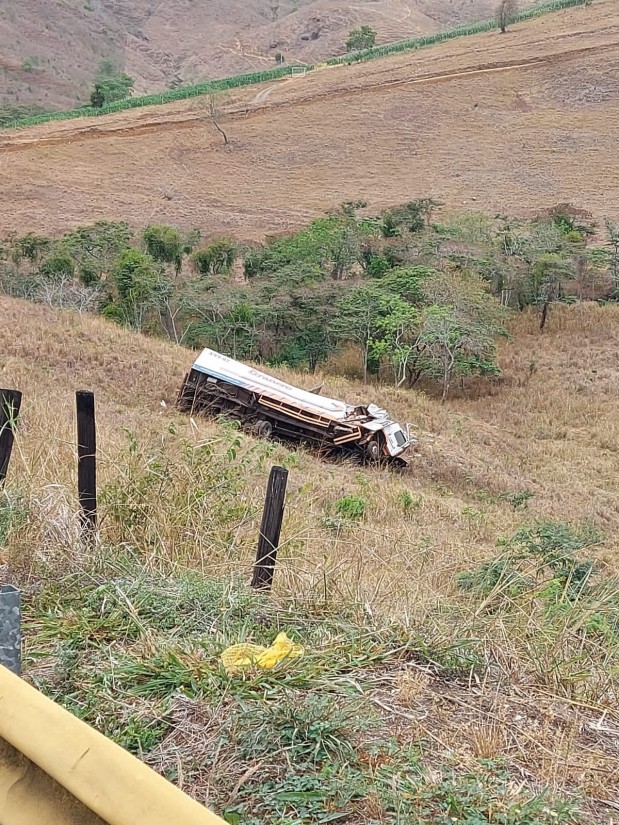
[
  {"x": 510, "y": 123},
  {"x": 550, "y": 429}
]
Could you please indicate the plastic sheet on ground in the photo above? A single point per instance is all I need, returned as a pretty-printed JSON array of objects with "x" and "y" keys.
[{"x": 243, "y": 657}]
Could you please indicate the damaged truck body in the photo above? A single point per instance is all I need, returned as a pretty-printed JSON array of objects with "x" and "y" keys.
[{"x": 218, "y": 385}]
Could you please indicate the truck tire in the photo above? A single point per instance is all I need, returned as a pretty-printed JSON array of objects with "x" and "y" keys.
[
  {"x": 373, "y": 451},
  {"x": 263, "y": 428}
]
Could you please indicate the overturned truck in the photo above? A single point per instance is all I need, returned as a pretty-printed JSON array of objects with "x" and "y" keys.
[{"x": 218, "y": 385}]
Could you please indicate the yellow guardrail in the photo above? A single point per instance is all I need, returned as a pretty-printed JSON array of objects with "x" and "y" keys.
[{"x": 56, "y": 770}]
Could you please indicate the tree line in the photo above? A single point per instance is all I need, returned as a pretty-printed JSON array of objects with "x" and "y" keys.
[{"x": 415, "y": 293}]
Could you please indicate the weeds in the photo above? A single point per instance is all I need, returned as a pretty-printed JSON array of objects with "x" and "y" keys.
[
  {"x": 483, "y": 796},
  {"x": 346, "y": 512},
  {"x": 561, "y": 616},
  {"x": 138, "y": 658},
  {"x": 13, "y": 514},
  {"x": 352, "y": 508},
  {"x": 519, "y": 501},
  {"x": 409, "y": 502},
  {"x": 412, "y": 679},
  {"x": 202, "y": 485}
]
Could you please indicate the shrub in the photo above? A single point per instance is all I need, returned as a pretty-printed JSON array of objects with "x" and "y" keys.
[
  {"x": 216, "y": 259},
  {"x": 351, "y": 507}
]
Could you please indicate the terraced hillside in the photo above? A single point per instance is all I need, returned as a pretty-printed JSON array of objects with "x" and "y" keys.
[
  {"x": 50, "y": 50},
  {"x": 513, "y": 123}
]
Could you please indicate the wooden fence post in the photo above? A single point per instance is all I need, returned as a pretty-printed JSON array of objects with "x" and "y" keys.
[
  {"x": 270, "y": 529},
  {"x": 10, "y": 402},
  {"x": 87, "y": 461}
]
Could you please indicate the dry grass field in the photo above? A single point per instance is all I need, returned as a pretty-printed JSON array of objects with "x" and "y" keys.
[
  {"x": 539, "y": 445},
  {"x": 551, "y": 427},
  {"x": 510, "y": 123}
]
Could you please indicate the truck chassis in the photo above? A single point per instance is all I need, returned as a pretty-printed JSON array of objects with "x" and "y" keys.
[{"x": 268, "y": 417}]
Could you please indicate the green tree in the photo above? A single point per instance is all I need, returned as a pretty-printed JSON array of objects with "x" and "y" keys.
[
  {"x": 17, "y": 111},
  {"x": 31, "y": 248},
  {"x": 191, "y": 240},
  {"x": 226, "y": 319},
  {"x": 330, "y": 247},
  {"x": 459, "y": 328},
  {"x": 374, "y": 319},
  {"x": 164, "y": 244},
  {"x": 110, "y": 89},
  {"x": 548, "y": 277},
  {"x": 56, "y": 284},
  {"x": 97, "y": 97},
  {"x": 96, "y": 247},
  {"x": 413, "y": 217},
  {"x": 361, "y": 39},
  {"x": 613, "y": 245},
  {"x": 141, "y": 289},
  {"x": 396, "y": 335},
  {"x": 58, "y": 266},
  {"x": 572, "y": 221}
]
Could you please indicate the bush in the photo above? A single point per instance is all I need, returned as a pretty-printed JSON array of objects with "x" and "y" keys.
[
  {"x": 20, "y": 111},
  {"x": 29, "y": 64},
  {"x": 110, "y": 90},
  {"x": 559, "y": 613},
  {"x": 351, "y": 507},
  {"x": 216, "y": 259}
]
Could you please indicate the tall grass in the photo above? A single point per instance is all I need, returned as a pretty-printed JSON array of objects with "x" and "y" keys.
[{"x": 393, "y": 583}]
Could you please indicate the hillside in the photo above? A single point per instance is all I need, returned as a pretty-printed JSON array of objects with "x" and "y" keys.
[
  {"x": 486, "y": 467},
  {"x": 50, "y": 50},
  {"x": 520, "y": 435},
  {"x": 511, "y": 123}
]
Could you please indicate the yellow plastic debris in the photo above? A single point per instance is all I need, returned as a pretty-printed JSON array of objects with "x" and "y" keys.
[{"x": 239, "y": 658}]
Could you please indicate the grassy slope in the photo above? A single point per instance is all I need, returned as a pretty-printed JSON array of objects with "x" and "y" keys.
[{"x": 115, "y": 641}]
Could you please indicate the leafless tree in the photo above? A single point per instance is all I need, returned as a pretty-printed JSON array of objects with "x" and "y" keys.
[
  {"x": 67, "y": 293},
  {"x": 506, "y": 13},
  {"x": 215, "y": 114}
]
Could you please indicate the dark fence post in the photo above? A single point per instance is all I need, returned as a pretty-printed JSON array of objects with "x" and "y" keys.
[
  {"x": 270, "y": 529},
  {"x": 87, "y": 461},
  {"x": 10, "y": 628},
  {"x": 10, "y": 402}
]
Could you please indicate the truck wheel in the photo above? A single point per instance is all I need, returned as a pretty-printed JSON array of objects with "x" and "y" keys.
[
  {"x": 372, "y": 451},
  {"x": 263, "y": 429}
]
